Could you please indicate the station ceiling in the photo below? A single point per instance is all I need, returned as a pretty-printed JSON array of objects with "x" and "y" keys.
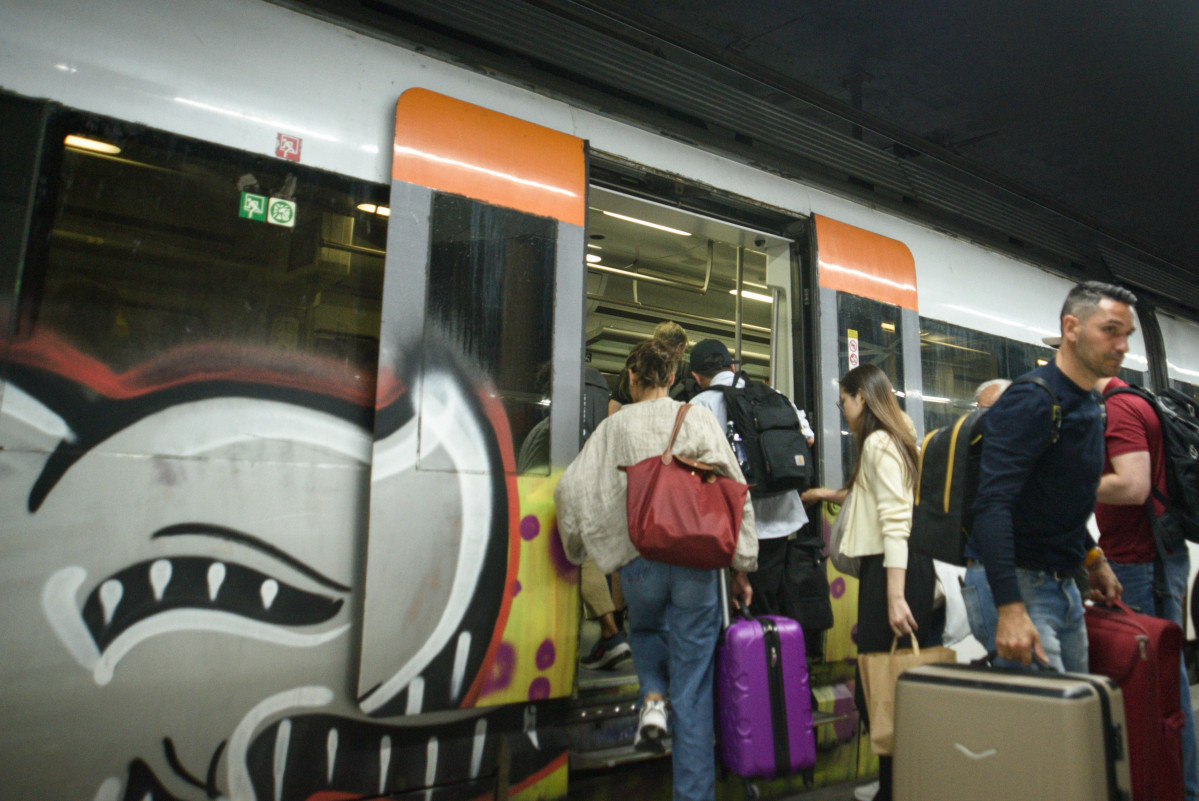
[
  {"x": 1092, "y": 106},
  {"x": 1084, "y": 116}
]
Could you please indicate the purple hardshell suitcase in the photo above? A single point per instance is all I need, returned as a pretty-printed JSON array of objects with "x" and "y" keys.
[{"x": 763, "y": 705}]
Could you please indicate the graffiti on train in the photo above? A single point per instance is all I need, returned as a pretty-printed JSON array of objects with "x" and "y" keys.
[{"x": 184, "y": 558}]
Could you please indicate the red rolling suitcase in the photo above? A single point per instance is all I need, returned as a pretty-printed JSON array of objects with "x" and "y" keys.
[{"x": 1141, "y": 653}]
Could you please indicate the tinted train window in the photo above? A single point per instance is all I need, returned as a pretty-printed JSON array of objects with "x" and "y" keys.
[
  {"x": 955, "y": 360},
  {"x": 1191, "y": 390},
  {"x": 875, "y": 331},
  {"x": 151, "y": 242},
  {"x": 491, "y": 290}
]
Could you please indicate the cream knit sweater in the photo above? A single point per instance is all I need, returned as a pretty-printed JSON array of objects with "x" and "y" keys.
[
  {"x": 591, "y": 495},
  {"x": 879, "y": 506}
]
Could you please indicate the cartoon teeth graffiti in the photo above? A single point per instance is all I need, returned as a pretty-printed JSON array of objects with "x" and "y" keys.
[{"x": 182, "y": 567}]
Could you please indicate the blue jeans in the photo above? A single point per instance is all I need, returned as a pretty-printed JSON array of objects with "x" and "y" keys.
[
  {"x": 1054, "y": 606},
  {"x": 1137, "y": 580},
  {"x": 674, "y": 623}
]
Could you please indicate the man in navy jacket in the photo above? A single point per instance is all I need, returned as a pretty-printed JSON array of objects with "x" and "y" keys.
[{"x": 1035, "y": 494}]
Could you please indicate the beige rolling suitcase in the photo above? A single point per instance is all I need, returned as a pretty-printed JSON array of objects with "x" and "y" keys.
[{"x": 966, "y": 732}]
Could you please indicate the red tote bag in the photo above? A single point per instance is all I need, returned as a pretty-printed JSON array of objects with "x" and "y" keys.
[{"x": 681, "y": 512}]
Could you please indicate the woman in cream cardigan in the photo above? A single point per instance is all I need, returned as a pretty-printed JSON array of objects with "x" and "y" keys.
[
  {"x": 674, "y": 612},
  {"x": 895, "y": 592}
]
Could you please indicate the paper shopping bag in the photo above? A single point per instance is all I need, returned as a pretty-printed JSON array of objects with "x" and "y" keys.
[{"x": 880, "y": 672}]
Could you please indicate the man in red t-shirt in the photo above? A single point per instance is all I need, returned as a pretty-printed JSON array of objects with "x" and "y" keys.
[{"x": 1134, "y": 466}]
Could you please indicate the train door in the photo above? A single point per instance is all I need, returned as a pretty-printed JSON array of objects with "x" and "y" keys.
[
  {"x": 731, "y": 278},
  {"x": 479, "y": 338},
  {"x": 867, "y": 315}
]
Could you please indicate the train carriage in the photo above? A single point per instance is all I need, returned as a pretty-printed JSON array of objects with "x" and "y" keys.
[{"x": 281, "y": 308}]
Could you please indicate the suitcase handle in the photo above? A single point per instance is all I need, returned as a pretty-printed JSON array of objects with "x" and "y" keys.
[
  {"x": 1118, "y": 604},
  {"x": 988, "y": 661}
]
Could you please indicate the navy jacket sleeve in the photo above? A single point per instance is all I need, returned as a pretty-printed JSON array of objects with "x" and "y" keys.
[{"x": 1015, "y": 433}]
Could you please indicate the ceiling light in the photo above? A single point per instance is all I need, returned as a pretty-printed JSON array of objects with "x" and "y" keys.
[
  {"x": 594, "y": 247},
  {"x": 83, "y": 143},
  {"x": 592, "y": 258},
  {"x": 1042, "y": 362},
  {"x": 369, "y": 208},
  {"x": 383, "y": 211},
  {"x": 887, "y": 326},
  {"x": 646, "y": 223},
  {"x": 753, "y": 295}
]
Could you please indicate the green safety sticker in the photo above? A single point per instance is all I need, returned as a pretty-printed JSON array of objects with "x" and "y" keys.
[
  {"x": 253, "y": 207},
  {"x": 281, "y": 212}
]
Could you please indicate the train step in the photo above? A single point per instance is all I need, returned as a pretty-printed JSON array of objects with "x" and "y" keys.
[{"x": 604, "y": 758}]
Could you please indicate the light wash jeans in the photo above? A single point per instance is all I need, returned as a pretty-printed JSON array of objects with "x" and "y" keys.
[
  {"x": 1137, "y": 580},
  {"x": 1055, "y": 607},
  {"x": 674, "y": 623}
]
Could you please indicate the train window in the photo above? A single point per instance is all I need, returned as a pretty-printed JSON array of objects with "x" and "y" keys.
[
  {"x": 491, "y": 279},
  {"x": 1191, "y": 390},
  {"x": 1181, "y": 339},
  {"x": 869, "y": 332},
  {"x": 151, "y": 242},
  {"x": 954, "y": 360}
]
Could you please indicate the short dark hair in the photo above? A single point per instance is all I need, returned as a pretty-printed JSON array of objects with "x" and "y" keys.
[{"x": 1083, "y": 299}]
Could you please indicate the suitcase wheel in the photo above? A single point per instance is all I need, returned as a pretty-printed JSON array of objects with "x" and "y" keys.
[{"x": 751, "y": 790}]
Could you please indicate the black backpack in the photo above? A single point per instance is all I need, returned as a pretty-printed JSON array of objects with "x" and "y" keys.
[
  {"x": 947, "y": 479},
  {"x": 773, "y": 453},
  {"x": 1180, "y": 446},
  {"x": 595, "y": 400}
]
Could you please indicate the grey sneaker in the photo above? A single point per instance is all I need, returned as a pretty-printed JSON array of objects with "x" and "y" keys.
[
  {"x": 651, "y": 728},
  {"x": 608, "y": 652}
]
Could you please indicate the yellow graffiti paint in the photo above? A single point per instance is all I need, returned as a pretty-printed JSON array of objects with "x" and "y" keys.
[{"x": 539, "y": 648}]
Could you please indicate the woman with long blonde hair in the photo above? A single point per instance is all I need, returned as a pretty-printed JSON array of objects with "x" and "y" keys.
[{"x": 895, "y": 593}]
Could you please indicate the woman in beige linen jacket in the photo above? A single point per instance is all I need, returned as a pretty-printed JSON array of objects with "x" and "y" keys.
[
  {"x": 895, "y": 590},
  {"x": 674, "y": 612}
]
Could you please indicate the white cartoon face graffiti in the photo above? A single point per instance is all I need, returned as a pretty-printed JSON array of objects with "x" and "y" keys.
[{"x": 183, "y": 604}]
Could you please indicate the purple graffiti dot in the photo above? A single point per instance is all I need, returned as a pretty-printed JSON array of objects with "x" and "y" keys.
[
  {"x": 539, "y": 690},
  {"x": 530, "y": 527},
  {"x": 546, "y": 654},
  {"x": 837, "y": 587},
  {"x": 516, "y": 588},
  {"x": 562, "y": 565},
  {"x": 502, "y": 669}
]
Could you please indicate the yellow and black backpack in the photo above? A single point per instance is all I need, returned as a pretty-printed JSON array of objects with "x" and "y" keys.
[{"x": 947, "y": 479}]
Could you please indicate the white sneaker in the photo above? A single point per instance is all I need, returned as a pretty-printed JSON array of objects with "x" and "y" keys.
[
  {"x": 866, "y": 792},
  {"x": 651, "y": 727}
]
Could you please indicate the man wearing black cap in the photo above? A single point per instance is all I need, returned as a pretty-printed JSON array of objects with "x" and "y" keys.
[{"x": 777, "y": 517}]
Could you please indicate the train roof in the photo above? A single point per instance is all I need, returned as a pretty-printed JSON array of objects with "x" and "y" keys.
[{"x": 1053, "y": 129}]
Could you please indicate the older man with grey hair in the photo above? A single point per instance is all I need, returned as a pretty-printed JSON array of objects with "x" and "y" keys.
[{"x": 989, "y": 391}]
